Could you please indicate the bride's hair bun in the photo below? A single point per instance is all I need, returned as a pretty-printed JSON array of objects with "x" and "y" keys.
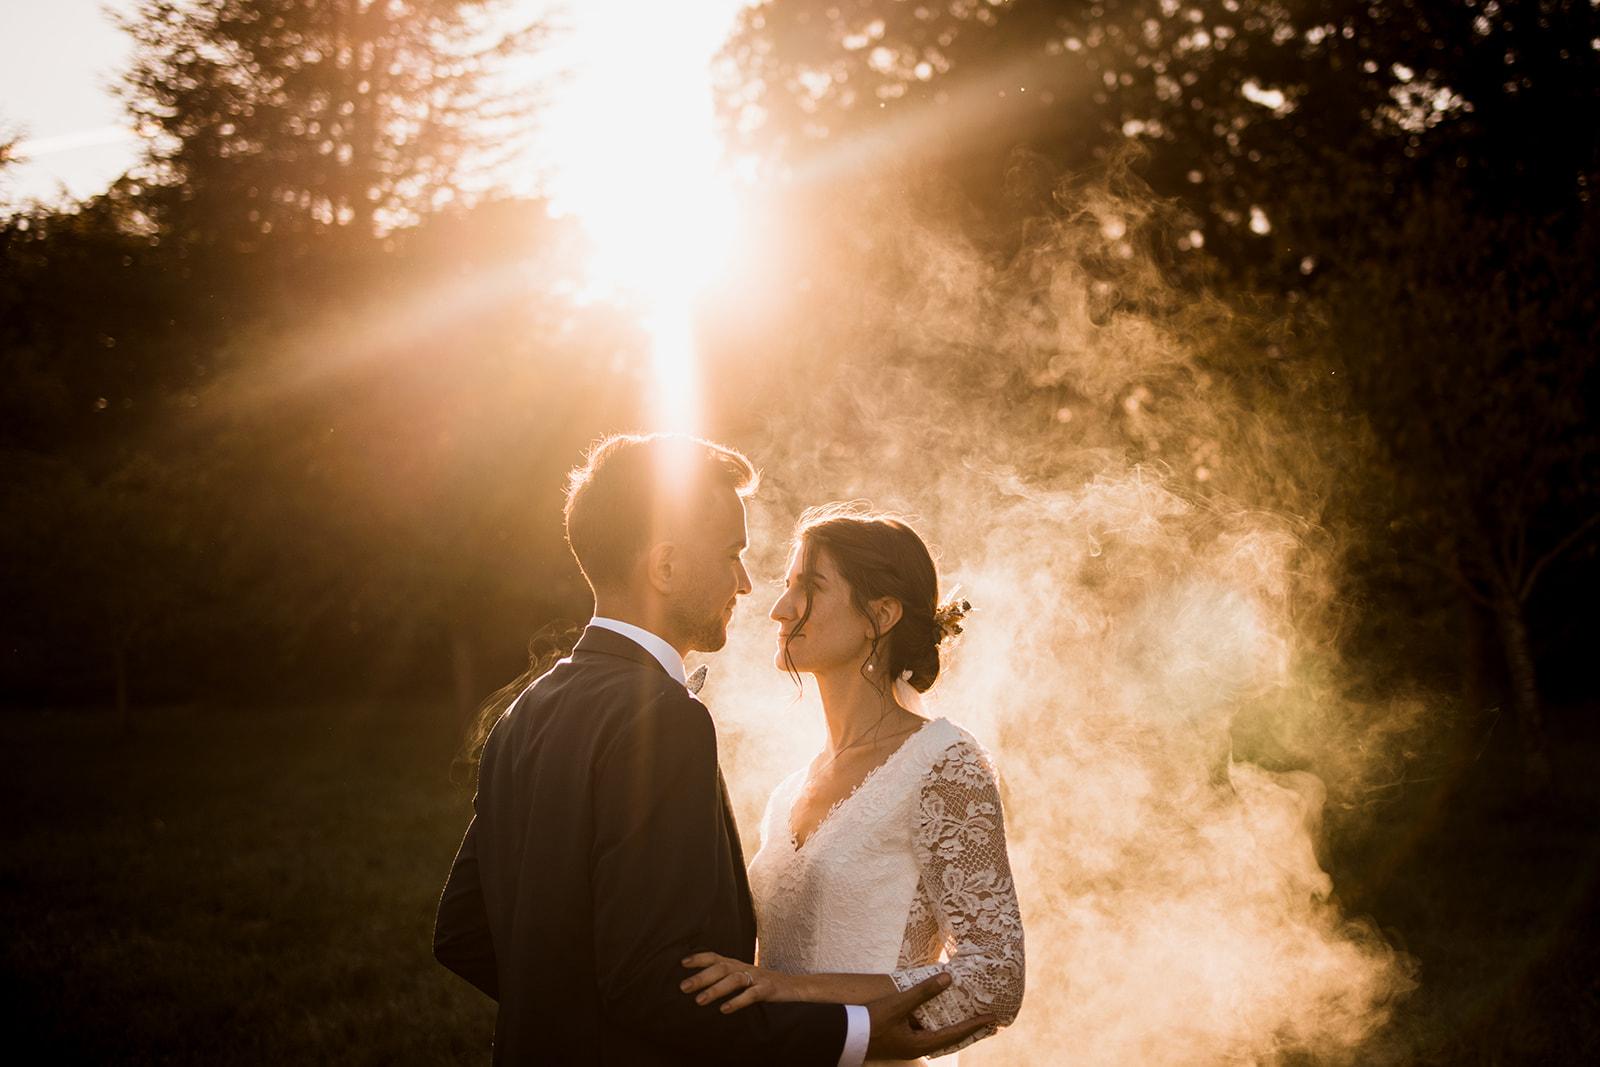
[{"x": 880, "y": 556}]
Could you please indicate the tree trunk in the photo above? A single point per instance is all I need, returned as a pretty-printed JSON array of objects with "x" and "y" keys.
[
  {"x": 119, "y": 662},
  {"x": 1524, "y": 678},
  {"x": 1478, "y": 676}
]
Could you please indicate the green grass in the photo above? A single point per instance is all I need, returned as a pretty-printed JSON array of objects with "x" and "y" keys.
[
  {"x": 240, "y": 887},
  {"x": 1496, "y": 894},
  {"x": 232, "y": 887}
]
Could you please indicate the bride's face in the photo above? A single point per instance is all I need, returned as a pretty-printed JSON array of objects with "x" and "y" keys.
[{"x": 834, "y": 635}]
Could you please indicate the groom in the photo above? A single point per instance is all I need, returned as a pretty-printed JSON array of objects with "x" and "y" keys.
[{"x": 602, "y": 851}]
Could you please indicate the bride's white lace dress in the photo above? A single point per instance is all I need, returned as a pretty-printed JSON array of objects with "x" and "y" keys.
[{"x": 906, "y": 876}]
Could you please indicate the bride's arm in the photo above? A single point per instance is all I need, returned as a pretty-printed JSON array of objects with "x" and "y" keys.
[{"x": 967, "y": 883}]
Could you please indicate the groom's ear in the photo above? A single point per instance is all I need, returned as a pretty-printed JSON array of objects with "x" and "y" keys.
[
  {"x": 886, "y": 611},
  {"x": 661, "y": 566}
]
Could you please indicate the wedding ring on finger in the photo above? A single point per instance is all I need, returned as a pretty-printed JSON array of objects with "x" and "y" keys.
[{"x": 749, "y": 979}]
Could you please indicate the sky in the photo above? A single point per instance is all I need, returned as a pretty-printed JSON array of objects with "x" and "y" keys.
[{"x": 58, "y": 59}]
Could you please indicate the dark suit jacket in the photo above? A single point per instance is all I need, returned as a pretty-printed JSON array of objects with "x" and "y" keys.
[{"x": 602, "y": 852}]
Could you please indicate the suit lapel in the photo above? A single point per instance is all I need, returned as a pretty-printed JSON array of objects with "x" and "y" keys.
[{"x": 597, "y": 641}]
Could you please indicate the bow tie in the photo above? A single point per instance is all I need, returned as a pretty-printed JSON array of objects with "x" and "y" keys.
[{"x": 696, "y": 680}]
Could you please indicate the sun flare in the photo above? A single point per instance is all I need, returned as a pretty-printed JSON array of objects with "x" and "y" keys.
[{"x": 635, "y": 156}]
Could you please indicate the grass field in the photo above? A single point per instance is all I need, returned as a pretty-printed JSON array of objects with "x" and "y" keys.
[
  {"x": 242, "y": 887},
  {"x": 1496, "y": 895},
  {"x": 232, "y": 888}
]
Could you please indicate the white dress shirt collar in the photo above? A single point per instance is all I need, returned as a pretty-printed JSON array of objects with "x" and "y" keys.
[{"x": 664, "y": 653}]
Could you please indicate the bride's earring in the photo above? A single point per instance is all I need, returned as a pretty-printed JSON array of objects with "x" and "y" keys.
[{"x": 871, "y": 667}]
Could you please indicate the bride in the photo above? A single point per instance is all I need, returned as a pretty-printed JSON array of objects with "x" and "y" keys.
[{"x": 884, "y": 860}]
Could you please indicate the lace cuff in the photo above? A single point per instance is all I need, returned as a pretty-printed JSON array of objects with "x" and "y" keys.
[
  {"x": 952, "y": 1006},
  {"x": 904, "y": 980}
]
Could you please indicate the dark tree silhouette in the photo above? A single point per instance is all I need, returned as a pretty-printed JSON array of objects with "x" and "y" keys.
[
  {"x": 1254, "y": 112},
  {"x": 276, "y": 120},
  {"x": 328, "y": 496},
  {"x": 10, "y": 138},
  {"x": 1472, "y": 343}
]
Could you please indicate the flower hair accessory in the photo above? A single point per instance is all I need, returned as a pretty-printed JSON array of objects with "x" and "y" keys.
[{"x": 947, "y": 617}]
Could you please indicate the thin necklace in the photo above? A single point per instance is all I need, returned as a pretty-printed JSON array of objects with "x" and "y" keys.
[
  {"x": 810, "y": 785},
  {"x": 857, "y": 744}
]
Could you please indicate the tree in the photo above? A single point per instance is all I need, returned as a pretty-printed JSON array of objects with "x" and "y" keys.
[
  {"x": 381, "y": 463},
  {"x": 107, "y": 577},
  {"x": 10, "y": 138},
  {"x": 274, "y": 121},
  {"x": 1267, "y": 120},
  {"x": 1478, "y": 375},
  {"x": 86, "y": 377}
]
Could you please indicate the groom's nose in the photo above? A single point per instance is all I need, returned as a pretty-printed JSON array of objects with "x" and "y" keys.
[{"x": 745, "y": 585}]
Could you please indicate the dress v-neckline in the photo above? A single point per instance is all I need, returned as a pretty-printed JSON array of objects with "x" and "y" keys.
[{"x": 796, "y": 845}]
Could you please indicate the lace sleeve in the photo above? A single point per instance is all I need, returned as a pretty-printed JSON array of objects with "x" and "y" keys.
[{"x": 966, "y": 879}]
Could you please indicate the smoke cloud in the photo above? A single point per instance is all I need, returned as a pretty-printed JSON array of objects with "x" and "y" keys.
[{"x": 1151, "y": 658}]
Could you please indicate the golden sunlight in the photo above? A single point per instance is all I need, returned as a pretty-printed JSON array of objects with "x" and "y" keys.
[{"x": 635, "y": 156}]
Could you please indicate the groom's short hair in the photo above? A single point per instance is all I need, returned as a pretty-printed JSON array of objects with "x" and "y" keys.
[{"x": 626, "y": 482}]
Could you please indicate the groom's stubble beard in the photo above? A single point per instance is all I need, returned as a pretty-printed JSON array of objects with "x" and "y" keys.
[{"x": 705, "y": 629}]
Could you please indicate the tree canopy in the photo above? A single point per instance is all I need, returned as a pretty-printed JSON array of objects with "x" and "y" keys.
[
  {"x": 280, "y": 120},
  {"x": 1252, "y": 111}
]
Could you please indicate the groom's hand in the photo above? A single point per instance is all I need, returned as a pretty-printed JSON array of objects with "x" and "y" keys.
[{"x": 893, "y": 1034}]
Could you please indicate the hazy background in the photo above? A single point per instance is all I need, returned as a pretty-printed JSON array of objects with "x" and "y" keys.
[{"x": 1236, "y": 360}]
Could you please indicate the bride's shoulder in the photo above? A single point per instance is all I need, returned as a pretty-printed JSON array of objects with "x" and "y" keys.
[{"x": 954, "y": 755}]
